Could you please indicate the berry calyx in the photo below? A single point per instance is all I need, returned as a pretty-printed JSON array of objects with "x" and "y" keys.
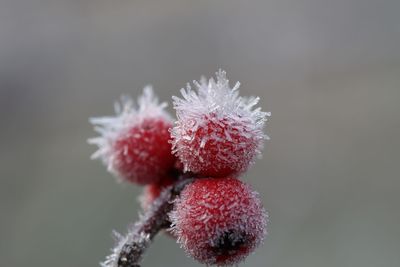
[
  {"x": 219, "y": 221},
  {"x": 152, "y": 191},
  {"x": 134, "y": 144},
  {"x": 218, "y": 133}
]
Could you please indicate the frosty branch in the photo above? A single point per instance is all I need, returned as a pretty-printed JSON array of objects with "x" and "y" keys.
[{"x": 131, "y": 248}]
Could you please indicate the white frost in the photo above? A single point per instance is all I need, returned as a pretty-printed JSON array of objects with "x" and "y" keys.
[{"x": 219, "y": 98}]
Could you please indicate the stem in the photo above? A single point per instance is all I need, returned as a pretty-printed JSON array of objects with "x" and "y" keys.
[{"x": 130, "y": 249}]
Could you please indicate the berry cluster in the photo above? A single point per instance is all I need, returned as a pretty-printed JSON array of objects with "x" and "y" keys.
[{"x": 217, "y": 218}]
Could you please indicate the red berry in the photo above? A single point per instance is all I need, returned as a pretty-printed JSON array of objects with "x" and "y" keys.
[
  {"x": 135, "y": 144},
  {"x": 217, "y": 133},
  {"x": 218, "y": 147},
  {"x": 219, "y": 221},
  {"x": 143, "y": 155}
]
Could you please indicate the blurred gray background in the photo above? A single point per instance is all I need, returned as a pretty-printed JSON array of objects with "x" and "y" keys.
[{"x": 329, "y": 71}]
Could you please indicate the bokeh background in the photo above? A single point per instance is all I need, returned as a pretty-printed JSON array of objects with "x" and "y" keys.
[{"x": 329, "y": 71}]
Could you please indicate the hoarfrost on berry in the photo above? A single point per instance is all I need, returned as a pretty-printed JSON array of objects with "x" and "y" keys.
[
  {"x": 134, "y": 144},
  {"x": 218, "y": 132},
  {"x": 219, "y": 221}
]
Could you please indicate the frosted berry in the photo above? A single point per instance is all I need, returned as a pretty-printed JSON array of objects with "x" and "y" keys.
[
  {"x": 218, "y": 133},
  {"x": 219, "y": 221},
  {"x": 134, "y": 144}
]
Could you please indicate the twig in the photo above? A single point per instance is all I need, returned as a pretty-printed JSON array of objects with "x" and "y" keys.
[{"x": 130, "y": 248}]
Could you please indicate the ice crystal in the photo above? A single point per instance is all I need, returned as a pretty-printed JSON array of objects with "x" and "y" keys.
[{"x": 127, "y": 115}]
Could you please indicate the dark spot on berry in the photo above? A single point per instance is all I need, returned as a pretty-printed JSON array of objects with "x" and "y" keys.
[{"x": 229, "y": 243}]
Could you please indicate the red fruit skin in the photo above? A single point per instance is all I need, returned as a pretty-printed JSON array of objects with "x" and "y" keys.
[
  {"x": 219, "y": 221},
  {"x": 218, "y": 147},
  {"x": 142, "y": 154}
]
